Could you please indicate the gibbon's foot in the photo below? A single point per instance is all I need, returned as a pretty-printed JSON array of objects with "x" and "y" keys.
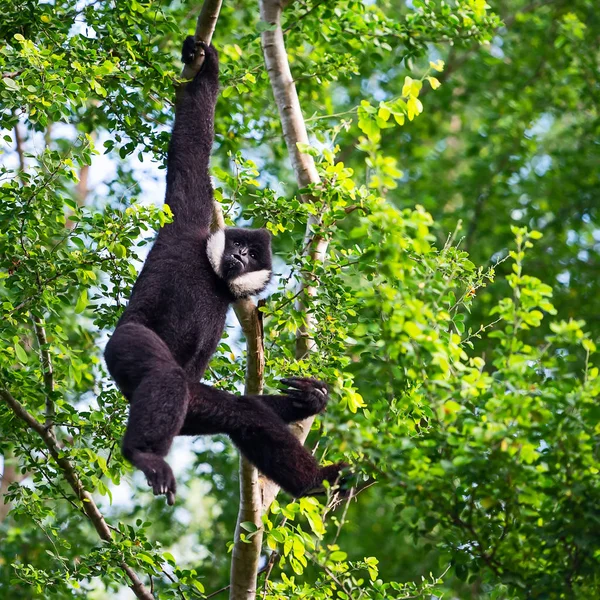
[
  {"x": 339, "y": 478},
  {"x": 158, "y": 475},
  {"x": 307, "y": 393}
]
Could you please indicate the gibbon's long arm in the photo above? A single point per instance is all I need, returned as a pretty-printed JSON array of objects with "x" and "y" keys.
[{"x": 189, "y": 190}]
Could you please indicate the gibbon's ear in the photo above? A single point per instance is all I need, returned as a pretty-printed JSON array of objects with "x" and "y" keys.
[{"x": 215, "y": 247}]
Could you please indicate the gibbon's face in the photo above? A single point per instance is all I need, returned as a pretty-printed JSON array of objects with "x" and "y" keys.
[{"x": 242, "y": 257}]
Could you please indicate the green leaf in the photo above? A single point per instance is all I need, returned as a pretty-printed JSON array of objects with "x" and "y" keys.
[
  {"x": 11, "y": 84},
  {"x": 82, "y": 302},
  {"x": 307, "y": 149},
  {"x": 20, "y": 352},
  {"x": 338, "y": 556},
  {"x": 145, "y": 558},
  {"x": 120, "y": 251}
]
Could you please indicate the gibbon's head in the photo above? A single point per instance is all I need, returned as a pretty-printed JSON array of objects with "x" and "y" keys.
[{"x": 242, "y": 257}]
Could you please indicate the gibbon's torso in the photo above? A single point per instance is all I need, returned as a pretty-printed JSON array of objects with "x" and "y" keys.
[{"x": 180, "y": 298}]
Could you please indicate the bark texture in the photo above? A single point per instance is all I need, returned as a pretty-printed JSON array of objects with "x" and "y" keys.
[{"x": 257, "y": 494}]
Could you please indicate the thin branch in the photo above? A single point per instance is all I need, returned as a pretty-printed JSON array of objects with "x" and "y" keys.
[
  {"x": 70, "y": 473},
  {"x": 246, "y": 555},
  {"x": 303, "y": 16},
  {"x": 268, "y": 568},
  {"x": 294, "y": 132},
  {"x": 47, "y": 369},
  {"x": 245, "y": 559}
]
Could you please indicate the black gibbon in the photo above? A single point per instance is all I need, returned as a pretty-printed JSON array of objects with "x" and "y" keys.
[{"x": 176, "y": 316}]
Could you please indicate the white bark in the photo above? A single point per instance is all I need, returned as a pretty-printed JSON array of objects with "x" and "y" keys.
[{"x": 245, "y": 560}]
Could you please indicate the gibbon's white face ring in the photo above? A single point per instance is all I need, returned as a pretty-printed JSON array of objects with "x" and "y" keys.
[{"x": 249, "y": 283}]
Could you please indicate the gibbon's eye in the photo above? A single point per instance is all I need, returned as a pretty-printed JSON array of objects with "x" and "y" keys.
[
  {"x": 252, "y": 254},
  {"x": 236, "y": 244}
]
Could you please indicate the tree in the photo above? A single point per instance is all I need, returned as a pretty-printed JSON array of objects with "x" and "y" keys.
[{"x": 468, "y": 405}]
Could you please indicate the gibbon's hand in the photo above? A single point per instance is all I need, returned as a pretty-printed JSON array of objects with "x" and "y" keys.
[
  {"x": 306, "y": 392},
  {"x": 191, "y": 49}
]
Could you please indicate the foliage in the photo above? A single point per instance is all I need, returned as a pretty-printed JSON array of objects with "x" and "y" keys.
[{"x": 464, "y": 394}]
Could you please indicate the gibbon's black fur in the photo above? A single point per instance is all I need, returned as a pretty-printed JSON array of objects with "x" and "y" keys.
[{"x": 176, "y": 315}]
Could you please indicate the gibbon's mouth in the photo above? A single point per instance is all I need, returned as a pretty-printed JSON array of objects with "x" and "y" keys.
[{"x": 233, "y": 266}]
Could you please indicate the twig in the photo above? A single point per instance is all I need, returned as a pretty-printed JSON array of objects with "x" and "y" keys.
[
  {"x": 70, "y": 473},
  {"x": 47, "y": 369},
  {"x": 327, "y": 571},
  {"x": 268, "y": 569}
]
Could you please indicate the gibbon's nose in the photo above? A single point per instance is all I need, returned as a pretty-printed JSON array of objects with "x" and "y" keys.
[{"x": 241, "y": 254}]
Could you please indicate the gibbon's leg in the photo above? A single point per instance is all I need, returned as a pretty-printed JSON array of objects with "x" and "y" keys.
[
  {"x": 156, "y": 388},
  {"x": 261, "y": 435}
]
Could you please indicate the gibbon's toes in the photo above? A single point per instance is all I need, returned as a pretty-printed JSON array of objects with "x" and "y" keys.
[
  {"x": 339, "y": 477},
  {"x": 307, "y": 384},
  {"x": 188, "y": 51},
  {"x": 162, "y": 481},
  {"x": 336, "y": 474}
]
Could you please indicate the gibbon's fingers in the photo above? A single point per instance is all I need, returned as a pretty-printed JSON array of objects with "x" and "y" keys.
[
  {"x": 306, "y": 384},
  {"x": 188, "y": 51}
]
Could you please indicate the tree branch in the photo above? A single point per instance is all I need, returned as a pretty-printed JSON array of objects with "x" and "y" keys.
[
  {"x": 245, "y": 558},
  {"x": 47, "y": 369},
  {"x": 205, "y": 28},
  {"x": 246, "y": 555},
  {"x": 88, "y": 505},
  {"x": 294, "y": 132}
]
